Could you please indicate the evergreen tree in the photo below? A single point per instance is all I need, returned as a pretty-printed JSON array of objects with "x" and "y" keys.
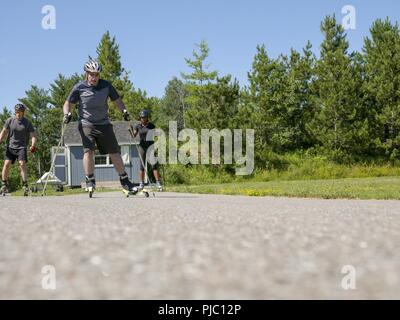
[
  {"x": 266, "y": 86},
  {"x": 200, "y": 73},
  {"x": 110, "y": 59},
  {"x": 382, "y": 86},
  {"x": 173, "y": 104},
  {"x": 337, "y": 124}
]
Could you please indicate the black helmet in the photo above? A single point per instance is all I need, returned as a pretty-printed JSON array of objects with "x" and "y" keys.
[
  {"x": 19, "y": 107},
  {"x": 144, "y": 114}
]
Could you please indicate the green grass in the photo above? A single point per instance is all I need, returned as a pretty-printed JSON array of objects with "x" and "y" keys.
[{"x": 350, "y": 188}]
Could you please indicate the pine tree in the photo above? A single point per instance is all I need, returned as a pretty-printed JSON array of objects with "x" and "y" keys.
[
  {"x": 266, "y": 80},
  {"x": 338, "y": 125},
  {"x": 218, "y": 107},
  {"x": 173, "y": 104},
  {"x": 382, "y": 86},
  {"x": 200, "y": 73},
  {"x": 110, "y": 59}
]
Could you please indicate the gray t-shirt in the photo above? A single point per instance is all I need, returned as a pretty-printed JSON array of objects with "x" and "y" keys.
[
  {"x": 18, "y": 132},
  {"x": 93, "y": 107}
]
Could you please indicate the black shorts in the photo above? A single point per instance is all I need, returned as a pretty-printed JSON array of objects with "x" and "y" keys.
[
  {"x": 101, "y": 135},
  {"x": 16, "y": 154},
  {"x": 142, "y": 154}
]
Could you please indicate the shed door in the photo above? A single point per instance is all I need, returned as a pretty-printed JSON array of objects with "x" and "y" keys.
[{"x": 60, "y": 166}]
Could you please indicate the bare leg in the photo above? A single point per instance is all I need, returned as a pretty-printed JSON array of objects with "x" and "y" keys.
[
  {"x": 141, "y": 175},
  {"x": 23, "y": 169},
  {"x": 6, "y": 170},
  {"x": 88, "y": 162},
  {"x": 156, "y": 174},
  {"x": 118, "y": 164}
]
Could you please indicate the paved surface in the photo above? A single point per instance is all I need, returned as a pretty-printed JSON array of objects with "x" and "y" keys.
[{"x": 180, "y": 246}]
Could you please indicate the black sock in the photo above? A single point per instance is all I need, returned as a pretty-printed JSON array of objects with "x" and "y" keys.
[
  {"x": 123, "y": 176},
  {"x": 90, "y": 178}
]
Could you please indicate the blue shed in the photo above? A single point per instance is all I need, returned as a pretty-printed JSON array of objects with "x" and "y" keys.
[{"x": 69, "y": 167}]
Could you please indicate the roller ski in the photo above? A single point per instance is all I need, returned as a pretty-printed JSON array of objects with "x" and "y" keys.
[
  {"x": 90, "y": 185},
  {"x": 151, "y": 187},
  {"x": 143, "y": 190},
  {"x": 4, "y": 191},
  {"x": 128, "y": 188}
]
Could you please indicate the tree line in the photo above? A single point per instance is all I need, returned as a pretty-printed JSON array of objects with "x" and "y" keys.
[{"x": 344, "y": 105}]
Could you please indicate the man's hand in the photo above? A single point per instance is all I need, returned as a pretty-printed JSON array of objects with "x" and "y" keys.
[
  {"x": 33, "y": 149},
  {"x": 67, "y": 118},
  {"x": 126, "y": 115}
]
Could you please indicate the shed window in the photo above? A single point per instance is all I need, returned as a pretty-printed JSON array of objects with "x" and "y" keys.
[
  {"x": 104, "y": 160},
  {"x": 101, "y": 160}
]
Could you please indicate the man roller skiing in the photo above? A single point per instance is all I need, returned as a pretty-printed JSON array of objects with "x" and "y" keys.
[
  {"x": 94, "y": 125},
  {"x": 17, "y": 130}
]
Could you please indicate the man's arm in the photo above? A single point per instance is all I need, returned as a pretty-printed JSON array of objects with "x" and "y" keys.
[
  {"x": 135, "y": 130},
  {"x": 120, "y": 105},
  {"x": 34, "y": 139},
  {"x": 67, "y": 107},
  {"x": 67, "y": 111},
  {"x": 3, "y": 134}
]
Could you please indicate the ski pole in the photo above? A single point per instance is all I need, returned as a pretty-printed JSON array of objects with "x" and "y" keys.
[{"x": 54, "y": 158}]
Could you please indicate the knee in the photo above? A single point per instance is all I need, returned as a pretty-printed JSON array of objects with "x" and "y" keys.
[
  {"x": 7, "y": 164},
  {"x": 89, "y": 154},
  {"x": 22, "y": 164}
]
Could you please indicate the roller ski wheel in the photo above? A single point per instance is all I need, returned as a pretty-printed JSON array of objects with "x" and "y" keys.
[
  {"x": 90, "y": 191},
  {"x": 4, "y": 191},
  {"x": 130, "y": 192}
]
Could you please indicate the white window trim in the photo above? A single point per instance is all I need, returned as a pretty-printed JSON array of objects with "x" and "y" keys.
[{"x": 108, "y": 164}]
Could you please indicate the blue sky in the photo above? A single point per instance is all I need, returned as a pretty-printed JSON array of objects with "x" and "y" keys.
[{"x": 156, "y": 36}]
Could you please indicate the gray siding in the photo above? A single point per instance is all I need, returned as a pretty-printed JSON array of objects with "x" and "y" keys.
[
  {"x": 101, "y": 173},
  {"x": 60, "y": 164}
]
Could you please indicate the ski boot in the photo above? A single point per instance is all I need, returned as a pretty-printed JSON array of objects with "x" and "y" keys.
[
  {"x": 127, "y": 186},
  {"x": 25, "y": 189},
  {"x": 90, "y": 184},
  {"x": 4, "y": 188}
]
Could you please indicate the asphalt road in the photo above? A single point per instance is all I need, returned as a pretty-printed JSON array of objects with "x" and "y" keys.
[{"x": 181, "y": 246}]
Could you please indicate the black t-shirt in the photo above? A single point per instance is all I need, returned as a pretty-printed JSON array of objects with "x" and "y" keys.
[
  {"x": 93, "y": 107},
  {"x": 143, "y": 131},
  {"x": 18, "y": 132}
]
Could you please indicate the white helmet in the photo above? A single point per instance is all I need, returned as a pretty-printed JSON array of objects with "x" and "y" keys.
[{"x": 92, "y": 66}]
